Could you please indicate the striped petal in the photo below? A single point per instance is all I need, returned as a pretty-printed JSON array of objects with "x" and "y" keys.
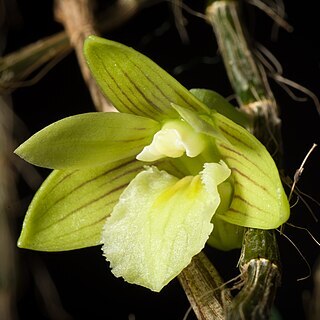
[
  {"x": 88, "y": 140},
  {"x": 259, "y": 200},
  {"x": 70, "y": 208},
  {"x": 133, "y": 82}
]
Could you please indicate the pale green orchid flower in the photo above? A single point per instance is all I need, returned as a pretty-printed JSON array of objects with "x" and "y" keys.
[{"x": 153, "y": 183}]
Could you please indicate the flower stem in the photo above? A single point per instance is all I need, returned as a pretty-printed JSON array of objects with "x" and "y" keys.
[
  {"x": 259, "y": 261},
  {"x": 204, "y": 289}
]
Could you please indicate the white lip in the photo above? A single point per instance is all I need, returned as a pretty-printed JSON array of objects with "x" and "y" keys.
[{"x": 173, "y": 140}]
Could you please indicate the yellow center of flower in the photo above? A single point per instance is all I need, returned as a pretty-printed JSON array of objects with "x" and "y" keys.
[{"x": 175, "y": 138}]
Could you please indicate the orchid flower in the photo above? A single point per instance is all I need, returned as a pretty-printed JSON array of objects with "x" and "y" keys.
[{"x": 171, "y": 171}]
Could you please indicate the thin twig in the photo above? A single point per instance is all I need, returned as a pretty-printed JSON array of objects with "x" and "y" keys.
[
  {"x": 299, "y": 87},
  {"x": 271, "y": 13},
  {"x": 18, "y": 66},
  {"x": 299, "y": 171},
  {"x": 77, "y": 18}
]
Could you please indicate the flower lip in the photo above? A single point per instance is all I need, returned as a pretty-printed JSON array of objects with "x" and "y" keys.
[
  {"x": 175, "y": 138},
  {"x": 160, "y": 223}
]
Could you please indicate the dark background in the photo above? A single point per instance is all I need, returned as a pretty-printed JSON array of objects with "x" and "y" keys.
[{"x": 78, "y": 284}]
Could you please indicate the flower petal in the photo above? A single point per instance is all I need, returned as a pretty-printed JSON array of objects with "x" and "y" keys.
[
  {"x": 225, "y": 236},
  {"x": 159, "y": 224},
  {"x": 87, "y": 140},
  {"x": 70, "y": 208},
  {"x": 259, "y": 199},
  {"x": 174, "y": 139},
  {"x": 133, "y": 82},
  {"x": 216, "y": 102},
  {"x": 198, "y": 124}
]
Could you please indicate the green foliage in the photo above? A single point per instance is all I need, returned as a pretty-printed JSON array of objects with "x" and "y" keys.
[
  {"x": 70, "y": 208},
  {"x": 88, "y": 140}
]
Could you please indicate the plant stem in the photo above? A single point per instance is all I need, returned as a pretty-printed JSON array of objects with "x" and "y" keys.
[
  {"x": 246, "y": 75},
  {"x": 259, "y": 265},
  {"x": 77, "y": 18},
  {"x": 203, "y": 287},
  {"x": 17, "y": 66},
  {"x": 259, "y": 261}
]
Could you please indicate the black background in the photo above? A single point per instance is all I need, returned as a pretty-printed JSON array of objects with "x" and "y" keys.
[{"x": 86, "y": 287}]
